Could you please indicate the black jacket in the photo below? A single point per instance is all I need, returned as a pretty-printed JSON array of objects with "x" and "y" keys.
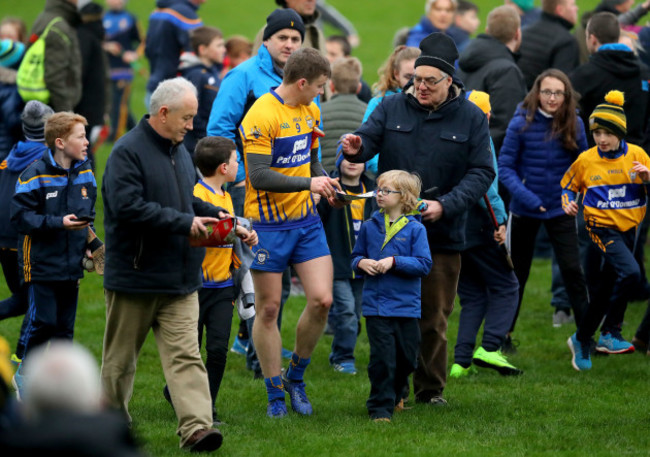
[
  {"x": 545, "y": 44},
  {"x": 148, "y": 211},
  {"x": 489, "y": 66},
  {"x": 448, "y": 147},
  {"x": 339, "y": 230},
  {"x": 608, "y": 70}
]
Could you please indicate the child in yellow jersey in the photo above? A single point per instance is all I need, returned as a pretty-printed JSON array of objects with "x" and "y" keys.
[
  {"x": 216, "y": 158},
  {"x": 610, "y": 177}
]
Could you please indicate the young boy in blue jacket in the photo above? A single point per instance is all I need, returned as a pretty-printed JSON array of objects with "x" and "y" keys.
[
  {"x": 392, "y": 252},
  {"x": 52, "y": 208}
]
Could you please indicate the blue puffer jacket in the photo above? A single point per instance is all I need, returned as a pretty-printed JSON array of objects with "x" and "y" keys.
[
  {"x": 168, "y": 36},
  {"x": 531, "y": 166},
  {"x": 420, "y": 31},
  {"x": 45, "y": 192},
  {"x": 22, "y": 154},
  {"x": 397, "y": 292}
]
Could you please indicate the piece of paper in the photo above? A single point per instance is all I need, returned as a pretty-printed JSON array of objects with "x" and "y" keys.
[{"x": 349, "y": 198}]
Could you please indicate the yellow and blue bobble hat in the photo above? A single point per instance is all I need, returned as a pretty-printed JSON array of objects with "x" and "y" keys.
[
  {"x": 480, "y": 99},
  {"x": 610, "y": 115}
]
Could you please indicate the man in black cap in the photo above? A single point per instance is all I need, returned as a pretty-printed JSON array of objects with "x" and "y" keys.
[{"x": 431, "y": 129}]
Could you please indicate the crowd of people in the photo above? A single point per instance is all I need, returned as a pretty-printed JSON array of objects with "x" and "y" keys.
[{"x": 263, "y": 161}]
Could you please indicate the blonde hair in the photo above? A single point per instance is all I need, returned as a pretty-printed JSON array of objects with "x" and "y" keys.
[
  {"x": 409, "y": 184},
  {"x": 346, "y": 74}
]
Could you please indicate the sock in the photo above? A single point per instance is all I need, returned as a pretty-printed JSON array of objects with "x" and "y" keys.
[
  {"x": 297, "y": 367},
  {"x": 274, "y": 388}
]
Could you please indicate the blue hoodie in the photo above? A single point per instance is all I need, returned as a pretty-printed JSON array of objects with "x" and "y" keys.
[
  {"x": 395, "y": 293},
  {"x": 22, "y": 154}
]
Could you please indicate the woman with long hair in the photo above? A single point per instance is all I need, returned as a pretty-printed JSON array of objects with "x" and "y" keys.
[
  {"x": 543, "y": 139},
  {"x": 394, "y": 74}
]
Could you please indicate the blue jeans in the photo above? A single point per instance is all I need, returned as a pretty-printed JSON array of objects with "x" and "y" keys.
[{"x": 344, "y": 318}]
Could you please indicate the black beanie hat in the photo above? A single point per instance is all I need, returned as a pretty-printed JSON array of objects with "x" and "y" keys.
[
  {"x": 283, "y": 19},
  {"x": 438, "y": 50},
  {"x": 34, "y": 116}
]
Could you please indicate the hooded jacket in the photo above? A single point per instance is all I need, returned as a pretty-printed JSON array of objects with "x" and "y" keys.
[
  {"x": 149, "y": 206},
  {"x": 168, "y": 36},
  {"x": 448, "y": 147},
  {"x": 45, "y": 192},
  {"x": 489, "y": 66},
  {"x": 608, "y": 69},
  {"x": 339, "y": 228},
  {"x": 547, "y": 43},
  {"x": 397, "y": 292},
  {"x": 20, "y": 157},
  {"x": 531, "y": 165},
  {"x": 62, "y": 54}
]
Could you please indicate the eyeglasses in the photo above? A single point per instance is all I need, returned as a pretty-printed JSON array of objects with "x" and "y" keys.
[
  {"x": 384, "y": 191},
  {"x": 549, "y": 93},
  {"x": 429, "y": 82}
]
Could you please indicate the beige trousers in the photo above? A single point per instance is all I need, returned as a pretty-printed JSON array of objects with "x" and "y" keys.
[{"x": 174, "y": 320}]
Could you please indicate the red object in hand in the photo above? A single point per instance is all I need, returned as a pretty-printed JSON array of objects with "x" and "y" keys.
[
  {"x": 318, "y": 132},
  {"x": 219, "y": 233}
]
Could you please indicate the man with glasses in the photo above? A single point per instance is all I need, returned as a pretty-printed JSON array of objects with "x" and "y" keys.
[{"x": 430, "y": 129}]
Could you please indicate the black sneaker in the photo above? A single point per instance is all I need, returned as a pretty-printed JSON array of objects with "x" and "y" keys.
[{"x": 509, "y": 346}]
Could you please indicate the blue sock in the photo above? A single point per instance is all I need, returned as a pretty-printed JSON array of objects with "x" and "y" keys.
[
  {"x": 297, "y": 367},
  {"x": 274, "y": 388}
]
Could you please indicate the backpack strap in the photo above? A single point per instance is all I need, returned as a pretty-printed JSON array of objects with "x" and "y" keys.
[{"x": 59, "y": 32}]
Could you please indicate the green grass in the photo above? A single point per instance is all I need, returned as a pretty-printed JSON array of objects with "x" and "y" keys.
[{"x": 550, "y": 410}]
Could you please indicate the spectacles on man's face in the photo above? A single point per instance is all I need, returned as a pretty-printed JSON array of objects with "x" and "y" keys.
[
  {"x": 430, "y": 82},
  {"x": 384, "y": 191},
  {"x": 549, "y": 93}
]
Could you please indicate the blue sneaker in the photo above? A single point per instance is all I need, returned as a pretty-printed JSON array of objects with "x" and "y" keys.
[
  {"x": 239, "y": 346},
  {"x": 613, "y": 343},
  {"x": 299, "y": 401},
  {"x": 18, "y": 381},
  {"x": 345, "y": 367},
  {"x": 286, "y": 354},
  {"x": 581, "y": 353},
  {"x": 276, "y": 408}
]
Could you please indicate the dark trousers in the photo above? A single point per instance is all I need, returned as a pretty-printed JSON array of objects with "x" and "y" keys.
[
  {"x": 17, "y": 303},
  {"x": 215, "y": 314},
  {"x": 488, "y": 290},
  {"x": 643, "y": 332},
  {"x": 393, "y": 355},
  {"x": 438, "y": 294},
  {"x": 52, "y": 311},
  {"x": 562, "y": 232},
  {"x": 122, "y": 119},
  {"x": 612, "y": 271}
]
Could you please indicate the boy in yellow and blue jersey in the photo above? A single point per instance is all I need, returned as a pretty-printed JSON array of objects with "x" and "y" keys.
[
  {"x": 216, "y": 158},
  {"x": 52, "y": 210},
  {"x": 280, "y": 136},
  {"x": 611, "y": 177}
]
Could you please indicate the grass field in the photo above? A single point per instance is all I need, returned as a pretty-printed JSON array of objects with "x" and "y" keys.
[{"x": 550, "y": 410}]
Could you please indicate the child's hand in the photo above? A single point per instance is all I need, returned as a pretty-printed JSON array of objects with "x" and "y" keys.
[
  {"x": 642, "y": 170},
  {"x": 384, "y": 265},
  {"x": 570, "y": 208},
  {"x": 248, "y": 237},
  {"x": 70, "y": 222},
  {"x": 368, "y": 266}
]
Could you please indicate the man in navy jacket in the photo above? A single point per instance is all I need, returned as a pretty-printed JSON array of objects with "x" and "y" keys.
[
  {"x": 152, "y": 275},
  {"x": 432, "y": 130}
]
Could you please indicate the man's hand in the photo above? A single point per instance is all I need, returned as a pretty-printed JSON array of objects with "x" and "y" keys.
[
  {"x": 248, "y": 237},
  {"x": 198, "y": 229},
  {"x": 570, "y": 208},
  {"x": 325, "y": 186},
  {"x": 500, "y": 234},
  {"x": 368, "y": 266},
  {"x": 433, "y": 212},
  {"x": 70, "y": 222},
  {"x": 351, "y": 144},
  {"x": 384, "y": 265}
]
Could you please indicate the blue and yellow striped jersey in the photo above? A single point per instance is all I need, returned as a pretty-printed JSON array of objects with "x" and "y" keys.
[
  {"x": 614, "y": 195},
  {"x": 357, "y": 209},
  {"x": 215, "y": 269},
  {"x": 284, "y": 132}
]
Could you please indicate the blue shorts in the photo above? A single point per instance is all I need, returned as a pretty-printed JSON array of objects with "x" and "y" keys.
[{"x": 278, "y": 249}]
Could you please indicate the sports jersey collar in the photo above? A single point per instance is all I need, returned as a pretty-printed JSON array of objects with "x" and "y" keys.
[
  {"x": 207, "y": 186},
  {"x": 275, "y": 94},
  {"x": 621, "y": 151}
]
